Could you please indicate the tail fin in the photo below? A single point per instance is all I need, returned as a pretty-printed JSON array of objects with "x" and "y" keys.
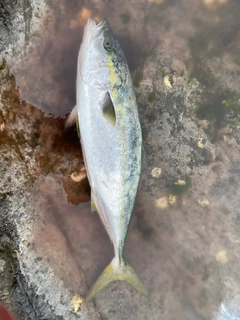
[{"x": 115, "y": 271}]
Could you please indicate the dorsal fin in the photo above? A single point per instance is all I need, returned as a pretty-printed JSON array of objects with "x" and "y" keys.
[{"x": 93, "y": 205}]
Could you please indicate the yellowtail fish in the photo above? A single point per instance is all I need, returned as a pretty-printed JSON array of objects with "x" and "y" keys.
[{"x": 111, "y": 138}]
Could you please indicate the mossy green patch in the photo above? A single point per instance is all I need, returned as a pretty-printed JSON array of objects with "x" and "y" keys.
[
  {"x": 211, "y": 40},
  {"x": 178, "y": 189},
  {"x": 218, "y": 104},
  {"x": 199, "y": 69},
  {"x": 225, "y": 210},
  {"x": 192, "y": 82},
  {"x": 232, "y": 103},
  {"x": 232, "y": 181},
  {"x": 190, "y": 165},
  {"x": 213, "y": 108},
  {"x": 216, "y": 168},
  {"x": 163, "y": 73},
  {"x": 151, "y": 96},
  {"x": 5, "y": 195},
  {"x": 125, "y": 18},
  {"x": 138, "y": 78}
]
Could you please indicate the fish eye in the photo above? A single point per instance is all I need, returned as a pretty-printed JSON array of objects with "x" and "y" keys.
[{"x": 108, "y": 45}]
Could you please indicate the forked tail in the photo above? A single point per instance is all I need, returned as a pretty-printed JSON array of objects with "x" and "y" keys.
[{"x": 117, "y": 271}]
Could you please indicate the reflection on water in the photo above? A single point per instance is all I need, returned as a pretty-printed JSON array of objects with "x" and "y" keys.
[
  {"x": 184, "y": 234},
  {"x": 229, "y": 309},
  {"x": 71, "y": 233}
]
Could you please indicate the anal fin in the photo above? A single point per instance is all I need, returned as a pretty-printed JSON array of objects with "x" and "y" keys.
[
  {"x": 93, "y": 205},
  {"x": 70, "y": 121}
]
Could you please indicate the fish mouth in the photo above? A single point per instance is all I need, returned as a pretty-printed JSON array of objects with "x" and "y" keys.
[
  {"x": 93, "y": 28},
  {"x": 91, "y": 24},
  {"x": 89, "y": 29},
  {"x": 101, "y": 23}
]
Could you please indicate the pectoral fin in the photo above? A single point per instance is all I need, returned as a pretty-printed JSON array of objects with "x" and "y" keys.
[
  {"x": 144, "y": 162},
  {"x": 107, "y": 109}
]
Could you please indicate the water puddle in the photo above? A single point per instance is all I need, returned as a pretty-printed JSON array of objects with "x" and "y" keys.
[{"x": 184, "y": 233}]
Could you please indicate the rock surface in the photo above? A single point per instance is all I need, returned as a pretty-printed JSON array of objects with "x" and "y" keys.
[{"x": 184, "y": 234}]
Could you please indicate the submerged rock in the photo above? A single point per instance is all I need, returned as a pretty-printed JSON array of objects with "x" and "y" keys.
[
  {"x": 32, "y": 284},
  {"x": 184, "y": 232}
]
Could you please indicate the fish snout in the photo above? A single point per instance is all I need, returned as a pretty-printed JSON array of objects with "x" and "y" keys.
[
  {"x": 101, "y": 23},
  {"x": 93, "y": 28}
]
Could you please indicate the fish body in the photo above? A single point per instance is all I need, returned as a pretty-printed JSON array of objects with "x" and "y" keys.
[{"x": 111, "y": 139}]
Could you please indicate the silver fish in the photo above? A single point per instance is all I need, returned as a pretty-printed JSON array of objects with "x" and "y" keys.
[{"x": 111, "y": 138}]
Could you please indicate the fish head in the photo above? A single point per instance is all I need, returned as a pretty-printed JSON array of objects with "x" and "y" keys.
[{"x": 101, "y": 62}]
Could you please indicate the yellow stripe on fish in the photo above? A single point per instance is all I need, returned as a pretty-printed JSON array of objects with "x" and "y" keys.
[{"x": 112, "y": 74}]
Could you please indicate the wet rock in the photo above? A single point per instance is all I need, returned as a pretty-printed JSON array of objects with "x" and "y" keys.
[
  {"x": 31, "y": 286},
  {"x": 185, "y": 228}
]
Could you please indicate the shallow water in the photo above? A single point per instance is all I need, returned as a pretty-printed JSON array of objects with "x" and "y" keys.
[{"x": 184, "y": 235}]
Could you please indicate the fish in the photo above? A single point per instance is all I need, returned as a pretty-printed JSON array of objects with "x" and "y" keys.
[{"x": 108, "y": 123}]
